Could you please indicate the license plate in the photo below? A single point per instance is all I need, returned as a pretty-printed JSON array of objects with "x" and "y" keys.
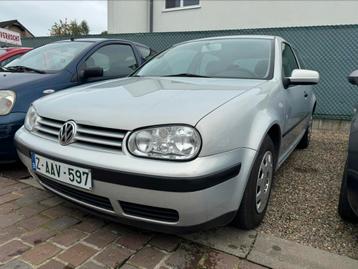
[{"x": 66, "y": 173}]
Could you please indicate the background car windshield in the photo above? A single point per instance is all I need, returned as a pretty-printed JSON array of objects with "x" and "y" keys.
[
  {"x": 52, "y": 57},
  {"x": 225, "y": 58}
]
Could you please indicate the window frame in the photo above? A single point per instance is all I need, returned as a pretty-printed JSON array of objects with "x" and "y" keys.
[
  {"x": 80, "y": 64},
  {"x": 294, "y": 55},
  {"x": 181, "y": 7}
]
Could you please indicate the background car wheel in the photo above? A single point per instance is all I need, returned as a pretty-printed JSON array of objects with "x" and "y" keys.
[
  {"x": 305, "y": 141},
  {"x": 257, "y": 193},
  {"x": 344, "y": 208}
]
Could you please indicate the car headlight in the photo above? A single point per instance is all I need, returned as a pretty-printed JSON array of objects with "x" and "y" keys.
[
  {"x": 7, "y": 101},
  {"x": 165, "y": 142},
  {"x": 31, "y": 118}
]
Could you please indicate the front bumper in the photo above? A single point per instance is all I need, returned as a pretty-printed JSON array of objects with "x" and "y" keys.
[
  {"x": 204, "y": 192},
  {"x": 9, "y": 124}
]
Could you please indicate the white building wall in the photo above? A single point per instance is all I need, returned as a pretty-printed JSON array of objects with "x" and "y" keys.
[
  {"x": 128, "y": 16},
  {"x": 230, "y": 14}
]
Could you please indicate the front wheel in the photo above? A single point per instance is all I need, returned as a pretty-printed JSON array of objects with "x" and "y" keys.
[
  {"x": 344, "y": 208},
  {"x": 258, "y": 189}
]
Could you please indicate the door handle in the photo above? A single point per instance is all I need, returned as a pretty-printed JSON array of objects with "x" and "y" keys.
[{"x": 306, "y": 95}]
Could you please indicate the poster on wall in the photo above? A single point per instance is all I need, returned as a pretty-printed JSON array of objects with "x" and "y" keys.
[{"x": 10, "y": 37}]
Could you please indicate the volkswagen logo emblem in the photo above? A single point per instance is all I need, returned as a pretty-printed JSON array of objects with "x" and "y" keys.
[{"x": 67, "y": 133}]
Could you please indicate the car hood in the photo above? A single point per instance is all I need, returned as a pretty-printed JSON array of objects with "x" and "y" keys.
[
  {"x": 10, "y": 81},
  {"x": 131, "y": 103}
]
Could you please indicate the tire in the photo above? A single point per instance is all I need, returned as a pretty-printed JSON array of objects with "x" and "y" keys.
[
  {"x": 251, "y": 213},
  {"x": 344, "y": 208},
  {"x": 305, "y": 141}
]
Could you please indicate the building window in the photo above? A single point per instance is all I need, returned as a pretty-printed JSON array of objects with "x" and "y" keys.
[{"x": 169, "y": 4}]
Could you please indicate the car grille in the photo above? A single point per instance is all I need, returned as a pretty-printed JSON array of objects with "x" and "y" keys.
[
  {"x": 86, "y": 135},
  {"x": 85, "y": 197},
  {"x": 150, "y": 212}
]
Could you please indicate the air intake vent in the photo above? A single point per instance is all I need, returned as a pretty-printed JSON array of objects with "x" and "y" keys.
[
  {"x": 85, "y": 197},
  {"x": 149, "y": 212}
]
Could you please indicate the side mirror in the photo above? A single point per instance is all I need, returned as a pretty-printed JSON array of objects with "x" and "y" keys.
[
  {"x": 303, "y": 77},
  {"x": 353, "y": 77},
  {"x": 92, "y": 72}
]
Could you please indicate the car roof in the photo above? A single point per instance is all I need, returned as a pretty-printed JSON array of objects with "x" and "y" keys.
[
  {"x": 99, "y": 40},
  {"x": 271, "y": 37}
]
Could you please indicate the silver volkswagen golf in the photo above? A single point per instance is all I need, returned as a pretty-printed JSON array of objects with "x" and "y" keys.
[{"x": 191, "y": 140}]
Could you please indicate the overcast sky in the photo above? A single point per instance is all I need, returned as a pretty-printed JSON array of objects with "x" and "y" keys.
[{"x": 39, "y": 16}]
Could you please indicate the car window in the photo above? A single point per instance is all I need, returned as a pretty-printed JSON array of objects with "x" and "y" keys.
[
  {"x": 223, "y": 58},
  {"x": 115, "y": 59},
  {"x": 289, "y": 62},
  {"x": 51, "y": 57},
  {"x": 2, "y": 51},
  {"x": 145, "y": 52},
  {"x": 10, "y": 59}
]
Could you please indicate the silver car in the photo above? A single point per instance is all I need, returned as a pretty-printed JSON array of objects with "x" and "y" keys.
[{"x": 189, "y": 141}]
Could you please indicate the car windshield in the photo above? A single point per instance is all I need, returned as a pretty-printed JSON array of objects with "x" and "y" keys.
[
  {"x": 247, "y": 58},
  {"x": 49, "y": 58}
]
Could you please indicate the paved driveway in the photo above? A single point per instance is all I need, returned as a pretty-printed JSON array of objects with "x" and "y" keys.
[{"x": 40, "y": 230}]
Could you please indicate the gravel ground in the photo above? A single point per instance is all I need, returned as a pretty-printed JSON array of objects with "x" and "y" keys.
[{"x": 303, "y": 205}]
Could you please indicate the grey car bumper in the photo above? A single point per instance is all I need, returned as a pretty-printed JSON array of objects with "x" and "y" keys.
[{"x": 177, "y": 196}]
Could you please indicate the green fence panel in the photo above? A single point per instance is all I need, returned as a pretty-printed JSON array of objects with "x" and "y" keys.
[{"x": 331, "y": 50}]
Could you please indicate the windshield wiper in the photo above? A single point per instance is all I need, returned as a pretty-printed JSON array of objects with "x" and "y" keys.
[
  {"x": 20, "y": 68},
  {"x": 186, "y": 75}
]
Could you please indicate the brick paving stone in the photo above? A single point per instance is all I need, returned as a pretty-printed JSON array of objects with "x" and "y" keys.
[
  {"x": 13, "y": 188},
  {"x": 92, "y": 265},
  {"x": 16, "y": 264},
  {"x": 4, "y": 182},
  {"x": 220, "y": 260},
  {"x": 33, "y": 222},
  {"x": 101, "y": 238},
  {"x": 53, "y": 201},
  {"x": 165, "y": 242},
  {"x": 68, "y": 237},
  {"x": 244, "y": 264},
  {"x": 29, "y": 211},
  {"x": 56, "y": 212},
  {"x": 7, "y": 208},
  {"x": 9, "y": 233},
  {"x": 12, "y": 249},
  {"x": 53, "y": 264},
  {"x": 26, "y": 201},
  {"x": 62, "y": 223},
  {"x": 128, "y": 266},
  {"x": 10, "y": 219},
  {"x": 77, "y": 254},
  {"x": 41, "y": 253},
  {"x": 134, "y": 240},
  {"x": 113, "y": 256},
  {"x": 37, "y": 236},
  {"x": 9, "y": 197},
  {"x": 186, "y": 256},
  {"x": 89, "y": 225},
  {"x": 147, "y": 257}
]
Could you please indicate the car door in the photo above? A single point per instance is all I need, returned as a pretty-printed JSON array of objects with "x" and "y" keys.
[
  {"x": 116, "y": 59},
  {"x": 296, "y": 100}
]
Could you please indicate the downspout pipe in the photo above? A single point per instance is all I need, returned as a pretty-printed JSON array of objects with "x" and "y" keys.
[{"x": 151, "y": 14}]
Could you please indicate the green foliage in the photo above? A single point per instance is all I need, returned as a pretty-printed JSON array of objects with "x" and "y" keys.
[{"x": 69, "y": 28}]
